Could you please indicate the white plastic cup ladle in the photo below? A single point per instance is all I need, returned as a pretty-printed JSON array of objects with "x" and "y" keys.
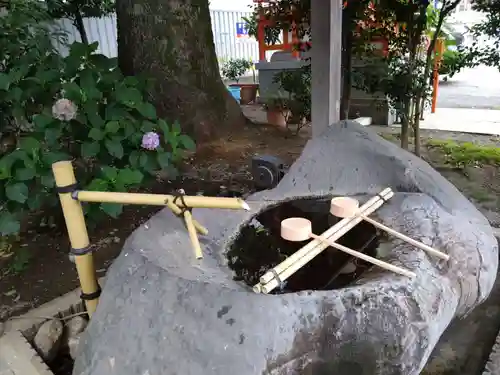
[
  {"x": 346, "y": 207},
  {"x": 300, "y": 229}
]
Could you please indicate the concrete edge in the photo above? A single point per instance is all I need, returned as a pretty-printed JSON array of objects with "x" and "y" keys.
[
  {"x": 39, "y": 314},
  {"x": 20, "y": 357},
  {"x": 17, "y": 355}
]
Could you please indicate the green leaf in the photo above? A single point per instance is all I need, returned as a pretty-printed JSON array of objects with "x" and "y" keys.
[
  {"x": 90, "y": 149},
  {"x": 96, "y": 134},
  {"x": 98, "y": 184},
  {"x": 21, "y": 155},
  {"x": 52, "y": 135},
  {"x": 109, "y": 172},
  {"x": 112, "y": 209},
  {"x": 88, "y": 85},
  {"x": 115, "y": 113},
  {"x": 149, "y": 162},
  {"x": 19, "y": 113},
  {"x": 130, "y": 81},
  {"x": 15, "y": 94},
  {"x": 133, "y": 159},
  {"x": 9, "y": 224},
  {"x": 46, "y": 76},
  {"x": 17, "y": 192},
  {"x": 5, "y": 167},
  {"x": 129, "y": 96},
  {"x": 79, "y": 49},
  {"x": 52, "y": 157},
  {"x": 147, "y": 110},
  {"x": 176, "y": 128},
  {"x": 48, "y": 181},
  {"x": 148, "y": 126},
  {"x": 129, "y": 176},
  {"x": 164, "y": 159},
  {"x": 128, "y": 129},
  {"x": 115, "y": 148},
  {"x": 112, "y": 127},
  {"x": 29, "y": 144},
  {"x": 4, "y": 81},
  {"x": 143, "y": 160},
  {"x": 36, "y": 201},
  {"x": 164, "y": 128},
  {"x": 92, "y": 112},
  {"x": 25, "y": 174},
  {"x": 72, "y": 91},
  {"x": 187, "y": 142},
  {"x": 42, "y": 120}
]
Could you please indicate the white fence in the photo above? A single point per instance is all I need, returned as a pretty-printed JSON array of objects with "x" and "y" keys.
[{"x": 224, "y": 26}]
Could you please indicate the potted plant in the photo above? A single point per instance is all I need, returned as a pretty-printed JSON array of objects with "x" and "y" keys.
[
  {"x": 278, "y": 111},
  {"x": 297, "y": 86},
  {"x": 233, "y": 70}
]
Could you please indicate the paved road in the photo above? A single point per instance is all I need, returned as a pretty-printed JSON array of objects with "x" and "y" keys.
[{"x": 471, "y": 88}]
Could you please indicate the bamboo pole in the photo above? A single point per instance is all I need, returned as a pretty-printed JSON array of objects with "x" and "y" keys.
[
  {"x": 145, "y": 199},
  {"x": 188, "y": 220},
  {"x": 77, "y": 232},
  {"x": 366, "y": 258},
  {"x": 268, "y": 276},
  {"x": 162, "y": 200},
  {"x": 411, "y": 241},
  {"x": 314, "y": 248}
]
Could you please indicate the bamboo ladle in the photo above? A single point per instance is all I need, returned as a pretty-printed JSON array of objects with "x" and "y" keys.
[
  {"x": 300, "y": 229},
  {"x": 346, "y": 207}
]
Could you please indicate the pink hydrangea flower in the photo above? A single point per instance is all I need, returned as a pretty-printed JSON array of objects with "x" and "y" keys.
[
  {"x": 64, "y": 110},
  {"x": 150, "y": 141}
]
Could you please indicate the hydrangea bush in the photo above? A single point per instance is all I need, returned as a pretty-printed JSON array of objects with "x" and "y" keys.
[{"x": 97, "y": 118}]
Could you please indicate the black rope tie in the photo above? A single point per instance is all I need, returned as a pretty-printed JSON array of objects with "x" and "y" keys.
[
  {"x": 80, "y": 252},
  {"x": 66, "y": 189},
  {"x": 382, "y": 197},
  {"x": 91, "y": 296},
  {"x": 281, "y": 283},
  {"x": 179, "y": 197}
]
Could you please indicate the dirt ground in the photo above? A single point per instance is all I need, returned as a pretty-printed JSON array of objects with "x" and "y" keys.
[{"x": 36, "y": 268}]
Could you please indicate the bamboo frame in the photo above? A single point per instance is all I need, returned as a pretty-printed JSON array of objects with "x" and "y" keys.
[
  {"x": 77, "y": 233},
  {"x": 70, "y": 199},
  {"x": 297, "y": 260},
  {"x": 161, "y": 200}
]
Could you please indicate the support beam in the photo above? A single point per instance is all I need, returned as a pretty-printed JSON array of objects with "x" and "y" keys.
[{"x": 326, "y": 32}]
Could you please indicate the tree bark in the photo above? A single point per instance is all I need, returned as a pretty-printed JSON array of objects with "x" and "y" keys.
[
  {"x": 172, "y": 42},
  {"x": 347, "y": 44}
]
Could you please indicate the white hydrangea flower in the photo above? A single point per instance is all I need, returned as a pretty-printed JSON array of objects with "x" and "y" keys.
[{"x": 64, "y": 110}]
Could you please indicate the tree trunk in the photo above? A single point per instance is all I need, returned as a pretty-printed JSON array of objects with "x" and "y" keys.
[
  {"x": 416, "y": 127},
  {"x": 405, "y": 134},
  {"x": 345, "y": 100},
  {"x": 427, "y": 73},
  {"x": 347, "y": 44},
  {"x": 78, "y": 22},
  {"x": 172, "y": 42}
]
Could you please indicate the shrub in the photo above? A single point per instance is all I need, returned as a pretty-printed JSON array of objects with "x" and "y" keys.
[
  {"x": 83, "y": 109},
  {"x": 233, "y": 69},
  {"x": 451, "y": 63},
  {"x": 296, "y": 84}
]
